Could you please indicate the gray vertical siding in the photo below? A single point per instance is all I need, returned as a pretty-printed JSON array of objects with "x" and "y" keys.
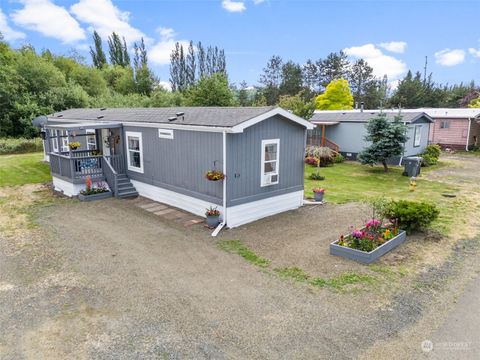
[
  {"x": 351, "y": 137},
  {"x": 244, "y": 160},
  {"x": 180, "y": 164}
]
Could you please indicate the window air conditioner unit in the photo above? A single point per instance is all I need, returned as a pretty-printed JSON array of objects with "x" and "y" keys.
[{"x": 271, "y": 179}]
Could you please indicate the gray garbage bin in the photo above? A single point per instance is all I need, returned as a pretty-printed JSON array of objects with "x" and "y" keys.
[{"x": 412, "y": 166}]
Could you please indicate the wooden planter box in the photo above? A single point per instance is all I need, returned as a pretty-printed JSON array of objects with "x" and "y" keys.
[
  {"x": 367, "y": 257},
  {"x": 104, "y": 195}
]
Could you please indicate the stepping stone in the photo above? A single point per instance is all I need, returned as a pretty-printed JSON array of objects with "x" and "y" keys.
[
  {"x": 163, "y": 212},
  {"x": 157, "y": 208},
  {"x": 192, "y": 222},
  {"x": 172, "y": 215},
  {"x": 148, "y": 205}
]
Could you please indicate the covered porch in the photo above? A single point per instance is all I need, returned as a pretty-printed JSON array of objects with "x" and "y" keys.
[
  {"x": 81, "y": 150},
  {"x": 316, "y": 137}
]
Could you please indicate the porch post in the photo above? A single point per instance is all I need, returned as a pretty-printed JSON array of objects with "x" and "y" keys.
[{"x": 323, "y": 135}]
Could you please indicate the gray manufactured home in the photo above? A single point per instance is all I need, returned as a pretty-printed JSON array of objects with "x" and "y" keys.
[
  {"x": 345, "y": 131},
  {"x": 164, "y": 154}
]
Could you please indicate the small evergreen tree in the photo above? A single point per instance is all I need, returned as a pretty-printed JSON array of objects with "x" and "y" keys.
[
  {"x": 98, "y": 55},
  {"x": 386, "y": 140}
]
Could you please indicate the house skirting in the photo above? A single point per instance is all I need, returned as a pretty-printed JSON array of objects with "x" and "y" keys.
[
  {"x": 67, "y": 188},
  {"x": 255, "y": 210},
  {"x": 236, "y": 215}
]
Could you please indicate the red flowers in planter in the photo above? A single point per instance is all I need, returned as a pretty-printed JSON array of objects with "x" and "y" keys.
[
  {"x": 318, "y": 190},
  {"x": 215, "y": 175}
]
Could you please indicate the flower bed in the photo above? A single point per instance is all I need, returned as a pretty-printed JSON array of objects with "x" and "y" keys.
[
  {"x": 94, "y": 193},
  {"x": 368, "y": 243}
]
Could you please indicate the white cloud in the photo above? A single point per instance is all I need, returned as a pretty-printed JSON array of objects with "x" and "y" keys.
[
  {"x": 105, "y": 18},
  {"x": 48, "y": 19},
  {"x": 394, "y": 46},
  {"x": 382, "y": 64},
  {"x": 234, "y": 6},
  {"x": 449, "y": 57},
  {"x": 166, "y": 85},
  {"x": 474, "y": 52},
  {"x": 256, "y": 2},
  {"x": 160, "y": 52},
  {"x": 7, "y": 32}
]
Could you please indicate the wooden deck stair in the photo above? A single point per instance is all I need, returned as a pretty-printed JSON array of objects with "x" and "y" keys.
[{"x": 125, "y": 188}]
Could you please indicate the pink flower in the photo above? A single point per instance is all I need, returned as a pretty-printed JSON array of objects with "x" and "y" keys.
[
  {"x": 357, "y": 234},
  {"x": 373, "y": 223}
]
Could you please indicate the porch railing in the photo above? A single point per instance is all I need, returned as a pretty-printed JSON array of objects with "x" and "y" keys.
[
  {"x": 117, "y": 163},
  {"x": 110, "y": 175},
  {"x": 80, "y": 153},
  {"x": 76, "y": 168}
]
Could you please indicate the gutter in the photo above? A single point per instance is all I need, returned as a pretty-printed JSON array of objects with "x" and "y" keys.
[
  {"x": 468, "y": 133},
  {"x": 224, "y": 154}
]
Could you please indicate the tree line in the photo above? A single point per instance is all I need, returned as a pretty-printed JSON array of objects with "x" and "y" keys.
[{"x": 33, "y": 83}]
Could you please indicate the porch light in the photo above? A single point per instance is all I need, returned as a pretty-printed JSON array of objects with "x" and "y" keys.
[{"x": 43, "y": 134}]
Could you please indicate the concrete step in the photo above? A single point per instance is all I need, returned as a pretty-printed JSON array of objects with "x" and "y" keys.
[{"x": 128, "y": 194}]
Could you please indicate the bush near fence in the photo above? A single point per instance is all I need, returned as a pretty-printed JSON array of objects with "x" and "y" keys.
[{"x": 20, "y": 145}]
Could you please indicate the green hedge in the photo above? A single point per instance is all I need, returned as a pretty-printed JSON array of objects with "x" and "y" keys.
[{"x": 20, "y": 145}]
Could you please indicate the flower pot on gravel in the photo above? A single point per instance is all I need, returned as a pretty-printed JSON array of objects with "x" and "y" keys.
[
  {"x": 213, "y": 216},
  {"x": 318, "y": 196}
]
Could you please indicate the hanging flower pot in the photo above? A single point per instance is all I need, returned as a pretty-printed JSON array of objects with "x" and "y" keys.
[
  {"x": 214, "y": 175},
  {"x": 74, "y": 145}
]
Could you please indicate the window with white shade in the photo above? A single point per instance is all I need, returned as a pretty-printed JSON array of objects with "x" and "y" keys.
[
  {"x": 270, "y": 162},
  {"x": 417, "y": 139},
  {"x": 64, "y": 142},
  {"x": 134, "y": 151},
  {"x": 91, "y": 139},
  {"x": 54, "y": 139}
]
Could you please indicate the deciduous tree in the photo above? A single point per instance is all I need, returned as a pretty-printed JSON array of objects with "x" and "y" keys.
[{"x": 337, "y": 96}]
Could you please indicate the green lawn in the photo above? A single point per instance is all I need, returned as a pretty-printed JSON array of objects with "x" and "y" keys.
[
  {"x": 351, "y": 181},
  {"x": 23, "y": 169}
]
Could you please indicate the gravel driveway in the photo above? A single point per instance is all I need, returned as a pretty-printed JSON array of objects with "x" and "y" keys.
[{"x": 107, "y": 280}]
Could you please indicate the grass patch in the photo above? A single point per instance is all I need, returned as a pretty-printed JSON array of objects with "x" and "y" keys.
[
  {"x": 23, "y": 169},
  {"x": 236, "y": 247},
  {"x": 294, "y": 273},
  {"x": 343, "y": 280},
  {"x": 20, "y": 145}
]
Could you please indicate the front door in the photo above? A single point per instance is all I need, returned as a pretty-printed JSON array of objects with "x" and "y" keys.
[{"x": 106, "y": 143}]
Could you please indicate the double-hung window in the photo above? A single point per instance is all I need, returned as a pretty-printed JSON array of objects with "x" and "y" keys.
[
  {"x": 417, "y": 139},
  {"x": 444, "y": 124},
  {"x": 270, "y": 162},
  {"x": 134, "y": 151},
  {"x": 91, "y": 139}
]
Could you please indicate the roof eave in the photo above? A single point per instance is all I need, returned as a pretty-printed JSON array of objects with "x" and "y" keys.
[{"x": 276, "y": 111}]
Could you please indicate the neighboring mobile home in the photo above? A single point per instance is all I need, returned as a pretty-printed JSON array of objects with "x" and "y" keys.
[
  {"x": 164, "y": 154},
  {"x": 345, "y": 131}
]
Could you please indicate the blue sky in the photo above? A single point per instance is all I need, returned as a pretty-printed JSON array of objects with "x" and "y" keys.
[{"x": 393, "y": 36}]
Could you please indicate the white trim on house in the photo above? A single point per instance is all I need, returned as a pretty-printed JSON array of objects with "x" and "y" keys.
[
  {"x": 255, "y": 210},
  {"x": 66, "y": 187},
  {"x": 417, "y": 135},
  {"x": 266, "y": 177},
  {"x": 172, "y": 198},
  {"x": 138, "y": 135},
  {"x": 277, "y": 111}
]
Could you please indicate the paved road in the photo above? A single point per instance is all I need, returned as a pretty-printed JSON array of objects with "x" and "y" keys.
[{"x": 459, "y": 336}]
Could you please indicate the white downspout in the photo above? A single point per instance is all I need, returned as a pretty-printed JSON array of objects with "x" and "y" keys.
[
  {"x": 224, "y": 154},
  {"x": 468, "y": 133},
  {"x": 404, "y": 144}
]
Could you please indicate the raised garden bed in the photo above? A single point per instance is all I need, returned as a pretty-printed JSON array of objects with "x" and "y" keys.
[
  {"x": 364, "y": 256},
  {"x": 92, "y": 197}
]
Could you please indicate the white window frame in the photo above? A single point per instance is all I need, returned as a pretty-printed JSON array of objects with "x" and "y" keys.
[
  {"x": 140, "y": 147},
  {"x": 64, "y": 146},
  {"x": 263, "y": 174},
  {"x": 165, "y": 133},
  {"x": 417, "y": 136},
  {"x": 91, "y": 145},
  {"x": 54, "y": 138}
]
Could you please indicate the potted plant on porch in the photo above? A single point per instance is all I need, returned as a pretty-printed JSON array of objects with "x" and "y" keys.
[
  {"x": 100, "y": 191},
  {"x": 213, "y": 216},
  {"x": 74, "y": 145}
]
